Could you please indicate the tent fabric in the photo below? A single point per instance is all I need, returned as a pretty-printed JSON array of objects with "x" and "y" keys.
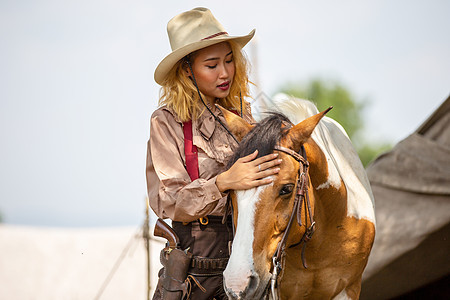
[
  {"x": 407, "y": 257},
  {"x": 420, "y": 163},
  {"x": 416, "y": 164},
  {"x": 411, "y": 186},
  {"x": 405, "y": 222}
]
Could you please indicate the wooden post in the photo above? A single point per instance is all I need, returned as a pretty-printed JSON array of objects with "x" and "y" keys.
[{"x": 146, "y": 235}]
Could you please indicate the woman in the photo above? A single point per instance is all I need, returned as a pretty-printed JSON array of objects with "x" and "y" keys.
[{"x": 189, "y": 146}]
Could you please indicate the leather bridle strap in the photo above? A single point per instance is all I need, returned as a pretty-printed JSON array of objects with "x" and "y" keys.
[{"x": 301, "y": 198}]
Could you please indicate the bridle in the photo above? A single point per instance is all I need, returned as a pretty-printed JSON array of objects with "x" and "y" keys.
[{"x": 301, "y": 198}]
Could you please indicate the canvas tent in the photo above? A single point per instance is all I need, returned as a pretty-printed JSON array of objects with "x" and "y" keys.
[{"x": 411, "y": 185}]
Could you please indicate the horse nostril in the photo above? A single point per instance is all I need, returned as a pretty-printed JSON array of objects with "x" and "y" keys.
[{"x": 253, "y": 283}]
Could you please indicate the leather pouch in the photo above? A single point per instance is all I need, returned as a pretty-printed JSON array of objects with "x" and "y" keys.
[{"x": 176, "y": 264}]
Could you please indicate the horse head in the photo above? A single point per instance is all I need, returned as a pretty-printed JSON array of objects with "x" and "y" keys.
[{"x": 262, "y": 214}]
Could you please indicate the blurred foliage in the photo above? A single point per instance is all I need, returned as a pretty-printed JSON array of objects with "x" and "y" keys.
[
  {"x": 347, "y": 110},
  {"x": 368, "y": 152}
]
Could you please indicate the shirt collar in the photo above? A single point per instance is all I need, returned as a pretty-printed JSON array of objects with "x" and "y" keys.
[{"x": 207, "y": 123}]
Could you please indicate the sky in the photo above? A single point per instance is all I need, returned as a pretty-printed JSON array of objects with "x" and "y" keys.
[{"x": 77, "y": 88}]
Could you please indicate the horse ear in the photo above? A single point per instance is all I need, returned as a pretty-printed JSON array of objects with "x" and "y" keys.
[
  {"x": 238, "y": 126},
  {"x": 303, "y": 130}
]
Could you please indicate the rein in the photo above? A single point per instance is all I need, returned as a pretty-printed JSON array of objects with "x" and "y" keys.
[{"x": 301, "y": 199}]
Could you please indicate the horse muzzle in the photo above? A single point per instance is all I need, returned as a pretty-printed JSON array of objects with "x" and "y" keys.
[{"x": 243, "y": 287}]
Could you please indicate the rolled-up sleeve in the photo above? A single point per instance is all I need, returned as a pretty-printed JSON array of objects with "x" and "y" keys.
[{"x": 171, "y": 192}]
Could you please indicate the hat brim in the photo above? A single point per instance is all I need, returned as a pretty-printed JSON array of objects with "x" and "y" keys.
[{"x": 170, "y": 60}]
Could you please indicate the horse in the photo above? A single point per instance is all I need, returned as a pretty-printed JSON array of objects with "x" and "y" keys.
[{"x": 309, "y": 233}]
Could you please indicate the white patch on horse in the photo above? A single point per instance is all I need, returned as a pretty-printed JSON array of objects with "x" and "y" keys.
[
  {"x": 342, "y": 296},
  {"x": 240, "y": 265},
  {"x": 360, "y": 201},
  {"x": 343, "y": 161},
  {"x": 324, "y": 185}
]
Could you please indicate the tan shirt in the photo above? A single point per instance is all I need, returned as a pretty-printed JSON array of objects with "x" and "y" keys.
[{"x": 170, "y": 190}]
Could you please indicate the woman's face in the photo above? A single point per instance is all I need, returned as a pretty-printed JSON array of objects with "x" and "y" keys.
[{"x": 213, "y": 68}]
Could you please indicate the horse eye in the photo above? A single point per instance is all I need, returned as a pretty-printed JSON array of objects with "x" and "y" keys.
[{"x": 286, "y": 189}]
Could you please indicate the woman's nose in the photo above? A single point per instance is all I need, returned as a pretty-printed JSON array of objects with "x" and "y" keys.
[{"x": 224, "y": 72}]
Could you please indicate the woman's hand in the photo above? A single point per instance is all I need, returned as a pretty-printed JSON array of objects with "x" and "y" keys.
[{"x": 248, "y": 172}]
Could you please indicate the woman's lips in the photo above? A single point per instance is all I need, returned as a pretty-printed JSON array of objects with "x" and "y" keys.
[{"x": 224, "y": 86}]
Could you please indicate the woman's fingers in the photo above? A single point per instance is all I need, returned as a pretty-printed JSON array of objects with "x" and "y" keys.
[
  {"x": 262, "y": 181},
  {"x": 265, "y": 158},
  {"x": 249, "y": 157},
  {"x": 269, "y": 164},
  {"x": 265, "y": 181},
  {"x": 249, "y": 171},
  {"x": 266, "y": 162},
  {"x": 267, "y": 172}
]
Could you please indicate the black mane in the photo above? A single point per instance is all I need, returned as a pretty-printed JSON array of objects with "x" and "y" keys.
[{"x": 263, "y": 137}]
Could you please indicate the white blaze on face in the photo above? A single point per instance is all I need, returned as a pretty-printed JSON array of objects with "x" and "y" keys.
[{"x": 240, "y": 265}]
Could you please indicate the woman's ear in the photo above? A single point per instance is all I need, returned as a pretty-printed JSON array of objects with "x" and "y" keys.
[
  {"x": 187, "y": 70},
  {"x": 187, "y": 67}
]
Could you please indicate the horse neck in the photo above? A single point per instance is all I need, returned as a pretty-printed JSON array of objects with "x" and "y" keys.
[{"x": 326, "y": 186}]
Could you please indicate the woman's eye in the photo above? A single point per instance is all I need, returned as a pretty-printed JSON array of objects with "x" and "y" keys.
[
  {"x": 229, "y": 61},
  {"x": 211, "y": 67},
  {"x": 286, "y": 189}
]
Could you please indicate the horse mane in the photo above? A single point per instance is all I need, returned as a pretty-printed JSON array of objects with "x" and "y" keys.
[
  {"x": 263, "y": 137},
  {"x": 295, "y": 109},
  {"x": 269, "y": 131}
]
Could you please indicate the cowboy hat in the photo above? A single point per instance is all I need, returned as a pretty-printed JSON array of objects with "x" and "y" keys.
[{"x": 190, "y": 31}]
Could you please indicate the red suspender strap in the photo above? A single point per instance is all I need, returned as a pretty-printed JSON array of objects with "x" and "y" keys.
[{"x": 190, "y": 151}]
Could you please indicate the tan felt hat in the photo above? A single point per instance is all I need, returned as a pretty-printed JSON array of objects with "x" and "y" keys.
[{"x": 190, "y": 31}]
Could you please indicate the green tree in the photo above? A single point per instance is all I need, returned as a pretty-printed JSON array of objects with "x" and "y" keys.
[{"x": 346, "y": 110}]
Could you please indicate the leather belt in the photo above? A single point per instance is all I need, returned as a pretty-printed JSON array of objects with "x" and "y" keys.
[{"x": 203, "y": 266}]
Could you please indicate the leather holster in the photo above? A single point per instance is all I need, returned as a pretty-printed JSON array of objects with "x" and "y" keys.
[{"x": 176, "y": 264}]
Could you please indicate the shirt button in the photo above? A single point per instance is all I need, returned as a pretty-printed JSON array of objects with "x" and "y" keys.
[
  {"x": 214, "y": 197},
  {"x": 226, "y": 146}
]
